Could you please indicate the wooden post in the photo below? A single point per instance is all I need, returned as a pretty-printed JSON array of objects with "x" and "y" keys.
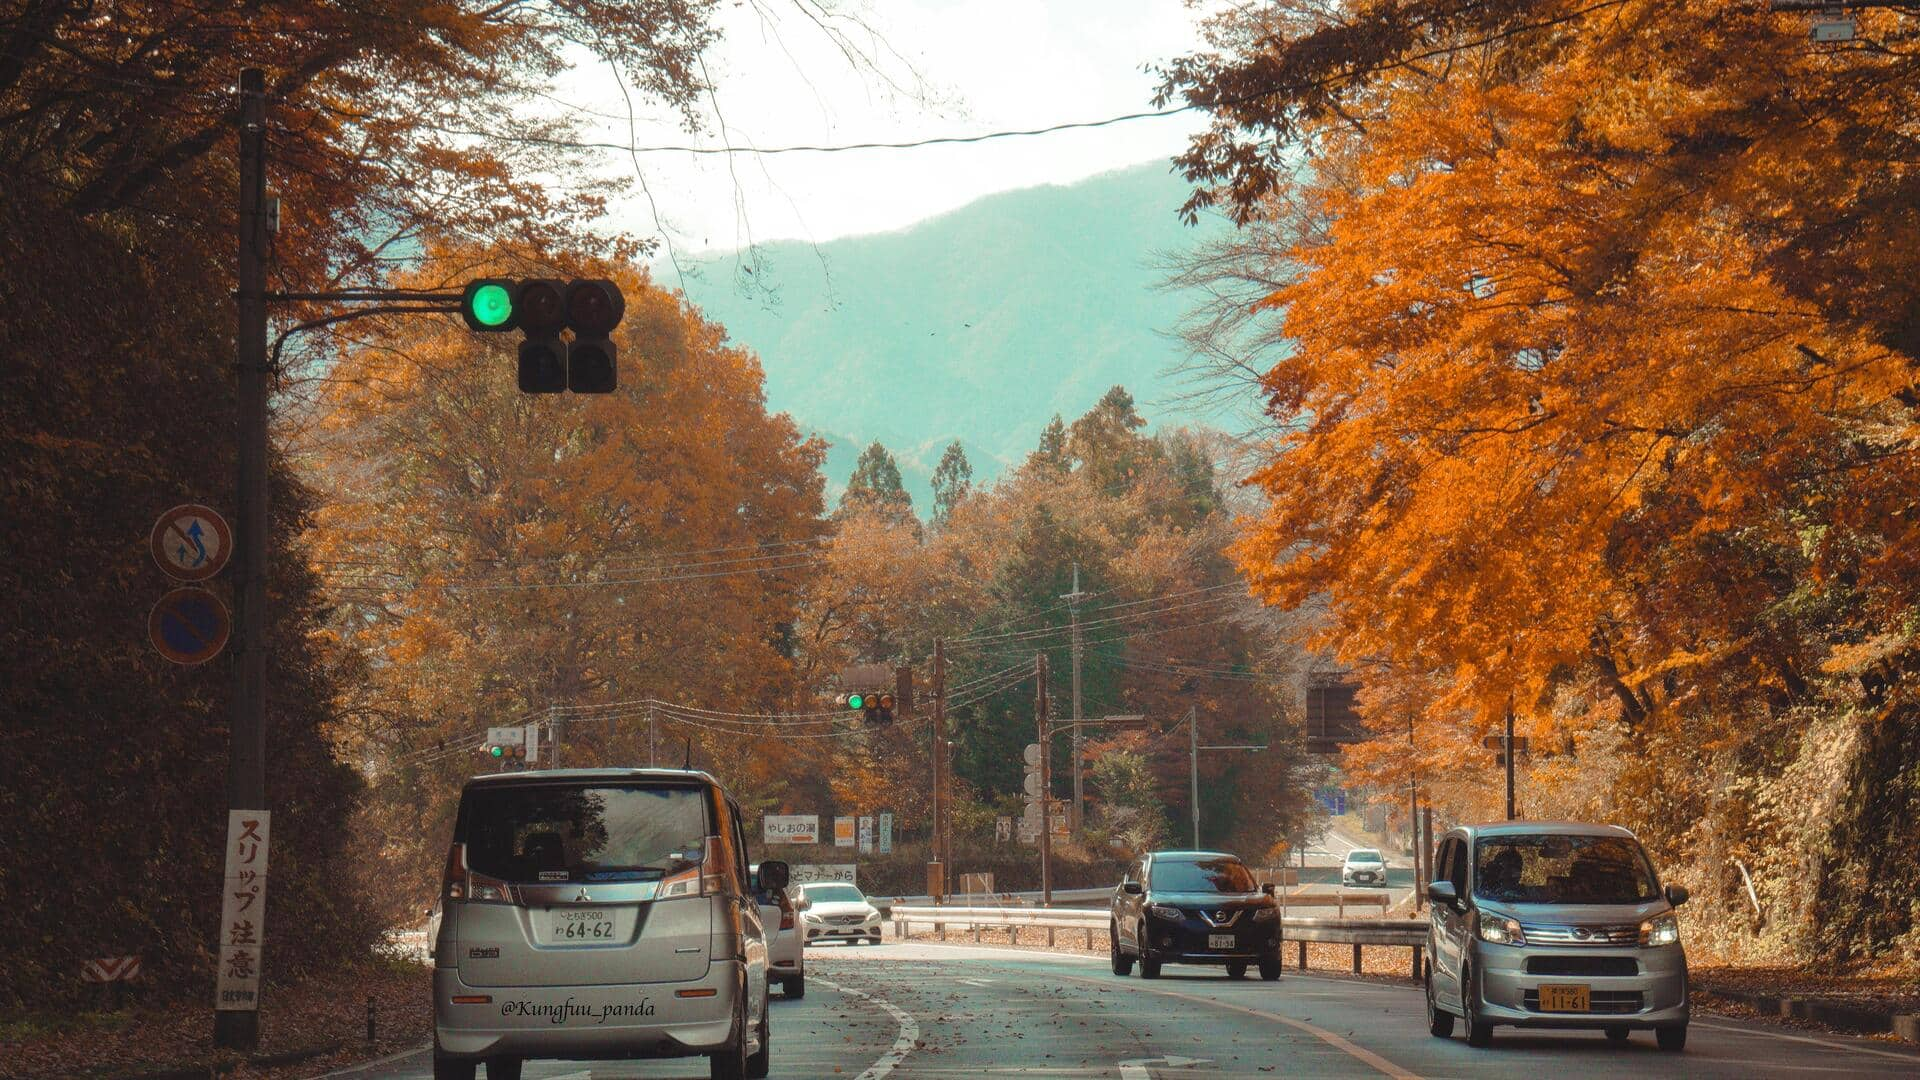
[
  {"x": 1356, "y": 958},
  {"x": 1416, "y": 963},
  {"x": 1303, "y": 954}
]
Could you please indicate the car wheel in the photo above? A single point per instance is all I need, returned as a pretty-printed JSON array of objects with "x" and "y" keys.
[
  {"x": 1149, "y": 968},
  {"x": 730, "y": 1061},
  {"x": 1439, "y": 1020},
  {"x": 1270, "y": 969},
  {"x": 1479, "y": 1031},
  {"x": 761, "y": 1062},
  {"x": 1122, "y": 963},
  {"x": 1237, "y": 970},
  {"x": 503, "y": 1068},
  {"x": 1671, "y": 1039},
  {"x": 794, "y": 988},
  {"x": 1618, "y": 1033},
  {"x": 445, "y": 1068}
]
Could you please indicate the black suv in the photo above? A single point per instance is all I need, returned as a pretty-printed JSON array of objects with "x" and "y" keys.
[{"x": 1194, "y": 907}]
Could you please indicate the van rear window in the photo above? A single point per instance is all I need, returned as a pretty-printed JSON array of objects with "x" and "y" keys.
[{"x": 563, "y": 832}]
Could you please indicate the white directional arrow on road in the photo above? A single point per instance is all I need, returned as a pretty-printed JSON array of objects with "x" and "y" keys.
[{"x": 1137, "y": 1068}]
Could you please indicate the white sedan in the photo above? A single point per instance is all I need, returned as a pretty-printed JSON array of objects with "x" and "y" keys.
[
  {"x": 1364, "y": 866},
  {"x": 835, "y": 911}
]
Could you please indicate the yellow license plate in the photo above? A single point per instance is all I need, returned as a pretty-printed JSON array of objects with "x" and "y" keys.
[{"x": 1565, "y": 999}]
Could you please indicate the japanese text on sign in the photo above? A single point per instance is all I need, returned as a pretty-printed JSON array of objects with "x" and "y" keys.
[{"x": 243, "y": 909}]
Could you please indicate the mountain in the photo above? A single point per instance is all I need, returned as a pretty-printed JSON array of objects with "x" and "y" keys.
[{"x": 979, "y": 324}]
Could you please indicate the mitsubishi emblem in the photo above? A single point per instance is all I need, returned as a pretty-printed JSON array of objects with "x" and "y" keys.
[{"x": 582, "y": 898}]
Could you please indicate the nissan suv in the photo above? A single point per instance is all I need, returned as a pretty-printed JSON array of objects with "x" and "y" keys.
[
  {"x": 1194, "y": 907},
  {"x": 1553, "y": 924},
  {"x": 599, "y": 913}
]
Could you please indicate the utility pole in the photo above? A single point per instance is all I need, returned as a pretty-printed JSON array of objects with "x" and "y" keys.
[
  {"x": 1413, "y": 813},
  {"x": 1073, "y": 613},
  {"x": 247, "y": 761},
  {"x": 1193, "y": 770},
  {"x": 1193, "y": 765},
  {"x": 553, "y": 726},
  {"x": 1046, "y": 777},
  {"x": 653, "y": 739},
  {"x": 940, "y": 766},
  {"x": 1508, "y": 745}
]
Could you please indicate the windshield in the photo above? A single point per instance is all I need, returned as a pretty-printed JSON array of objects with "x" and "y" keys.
[
  {"x": 1204, "y": 875},
  {"x": 1562, "y": 870},
  {"x": 834, "y": 894},
  {"x": 1363, "y": 855},
  {"x": 567, "y": 833}
]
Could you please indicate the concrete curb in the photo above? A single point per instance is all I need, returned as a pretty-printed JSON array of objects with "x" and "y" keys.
[
  {"x": 209, "y": 1069},
  {"x": 1840, "y": 1015}
]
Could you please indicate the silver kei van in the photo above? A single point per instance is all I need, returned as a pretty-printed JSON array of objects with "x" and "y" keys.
[
  {"x": 599, "y": 913},
  {"x": 1553, "y": 924}
]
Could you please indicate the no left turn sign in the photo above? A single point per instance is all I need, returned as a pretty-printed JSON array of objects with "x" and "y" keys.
[{"x": 192, "y": 542}]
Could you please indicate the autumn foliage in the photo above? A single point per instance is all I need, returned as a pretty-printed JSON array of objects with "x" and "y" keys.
[{"x": 1598, "y": 402}]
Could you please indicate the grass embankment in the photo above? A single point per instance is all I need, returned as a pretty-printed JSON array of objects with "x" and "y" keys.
[{"x": 309, "y": 1026}]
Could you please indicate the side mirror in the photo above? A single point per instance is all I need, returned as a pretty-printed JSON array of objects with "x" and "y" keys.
[
  {"x": 1676, "y": 895},
  {"x": 1443, "y": 893},
  {"x": 1268, "y": 889},
  {"x": 1131, "y": 888},
  {"x": 774, "y": 875}
]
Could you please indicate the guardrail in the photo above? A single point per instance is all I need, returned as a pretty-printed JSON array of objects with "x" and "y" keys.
[{"x": 1393, "y": 933}]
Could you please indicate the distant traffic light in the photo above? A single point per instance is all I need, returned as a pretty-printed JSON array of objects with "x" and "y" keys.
[{"x": 542, "y": 308}]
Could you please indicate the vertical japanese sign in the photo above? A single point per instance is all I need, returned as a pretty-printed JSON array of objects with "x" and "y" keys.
[
  {"x": 243, "y": 910},
  {"x": 842, "y": 832},
  {"x": 886, "y": 834},
  {"x": 866, "y": 834}
]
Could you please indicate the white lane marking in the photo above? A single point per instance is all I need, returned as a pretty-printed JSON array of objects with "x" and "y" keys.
[
  {"x": 377, "y": 1062},
  {"x": 975, "y": 982},
  {"x": 902, "y": 1046},
  {"x": 1846, "y": 1047},
  {"x": 1359, "y": 1053},
  {"x": 1136, "y": 1069}
]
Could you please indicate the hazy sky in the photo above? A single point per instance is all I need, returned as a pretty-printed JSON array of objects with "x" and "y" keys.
[{"x": 981, "y": 65}]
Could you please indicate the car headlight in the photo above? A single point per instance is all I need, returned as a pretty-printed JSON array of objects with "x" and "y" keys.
[
  {"x": 1501, "y": 930},
  {"x": 1164, "y": 911},
  {"x": 1266, "y": 914},
  {"x": 1660, "y": 930}
]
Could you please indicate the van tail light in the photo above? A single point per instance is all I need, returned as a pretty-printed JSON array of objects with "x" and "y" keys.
[
  {"x": 704, "y": 878},
  {"x": 457, "y": 882}
]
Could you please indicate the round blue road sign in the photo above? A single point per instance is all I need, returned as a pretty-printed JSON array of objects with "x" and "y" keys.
[{"x": 189, "y": 626}]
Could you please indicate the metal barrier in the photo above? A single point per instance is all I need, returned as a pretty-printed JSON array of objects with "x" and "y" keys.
[
  {"x": 1393, "y": 933},
  {"x": 1339, "y": 901}
]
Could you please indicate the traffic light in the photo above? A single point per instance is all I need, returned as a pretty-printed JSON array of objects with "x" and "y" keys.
[
  {"x": 540, "y": 309},
  {"x": 594, "y": 308},
  {"x": 487, "y": 305}
]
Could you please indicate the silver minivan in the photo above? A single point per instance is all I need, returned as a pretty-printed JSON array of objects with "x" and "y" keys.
[
  {"x": 1553, "y": 924},
  {"x": 599, "y": 913}
]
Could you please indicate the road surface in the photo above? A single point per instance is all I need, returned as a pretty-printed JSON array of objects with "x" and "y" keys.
[{"x": 950, "y": 1011}]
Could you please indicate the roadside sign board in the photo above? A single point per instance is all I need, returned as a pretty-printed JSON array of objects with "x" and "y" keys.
[
  {"x": 885, "y": 839},
  {"x": 1031, "y": 755},
  {"x": 189, "y": 625},
  {"x": 1494, "y": 742},
  {"x": 790, "y": 829},
  {"x": 866, "y": 834},
  {"x": 191, "y": 542},
  {"x": 111, "y": 969},
  {"x": 843, "y": 832},
  {"x": 1003, "y": 828},
  {"x": 810, "y": 873},
  {"x": 243, "y": 911}
]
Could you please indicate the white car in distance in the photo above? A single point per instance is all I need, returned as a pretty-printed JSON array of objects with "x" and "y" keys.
[
  {"x": 1364, "y": 866},
  {"x": 837, "y": 911}
]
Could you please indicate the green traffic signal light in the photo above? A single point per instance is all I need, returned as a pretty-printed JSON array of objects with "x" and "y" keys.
[
  {"x": 496, "y": 751},
  {"x": 855, "y": 701},
  {"x": 487, "y": 305},
  {"x": 492, "y": 306}
]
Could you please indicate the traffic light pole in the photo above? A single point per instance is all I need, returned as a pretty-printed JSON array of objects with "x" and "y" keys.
[
  {"x": 940, "y": 766},
  {"x": 247, "y": 760},
  {"x": 1073, "y": 609}
]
